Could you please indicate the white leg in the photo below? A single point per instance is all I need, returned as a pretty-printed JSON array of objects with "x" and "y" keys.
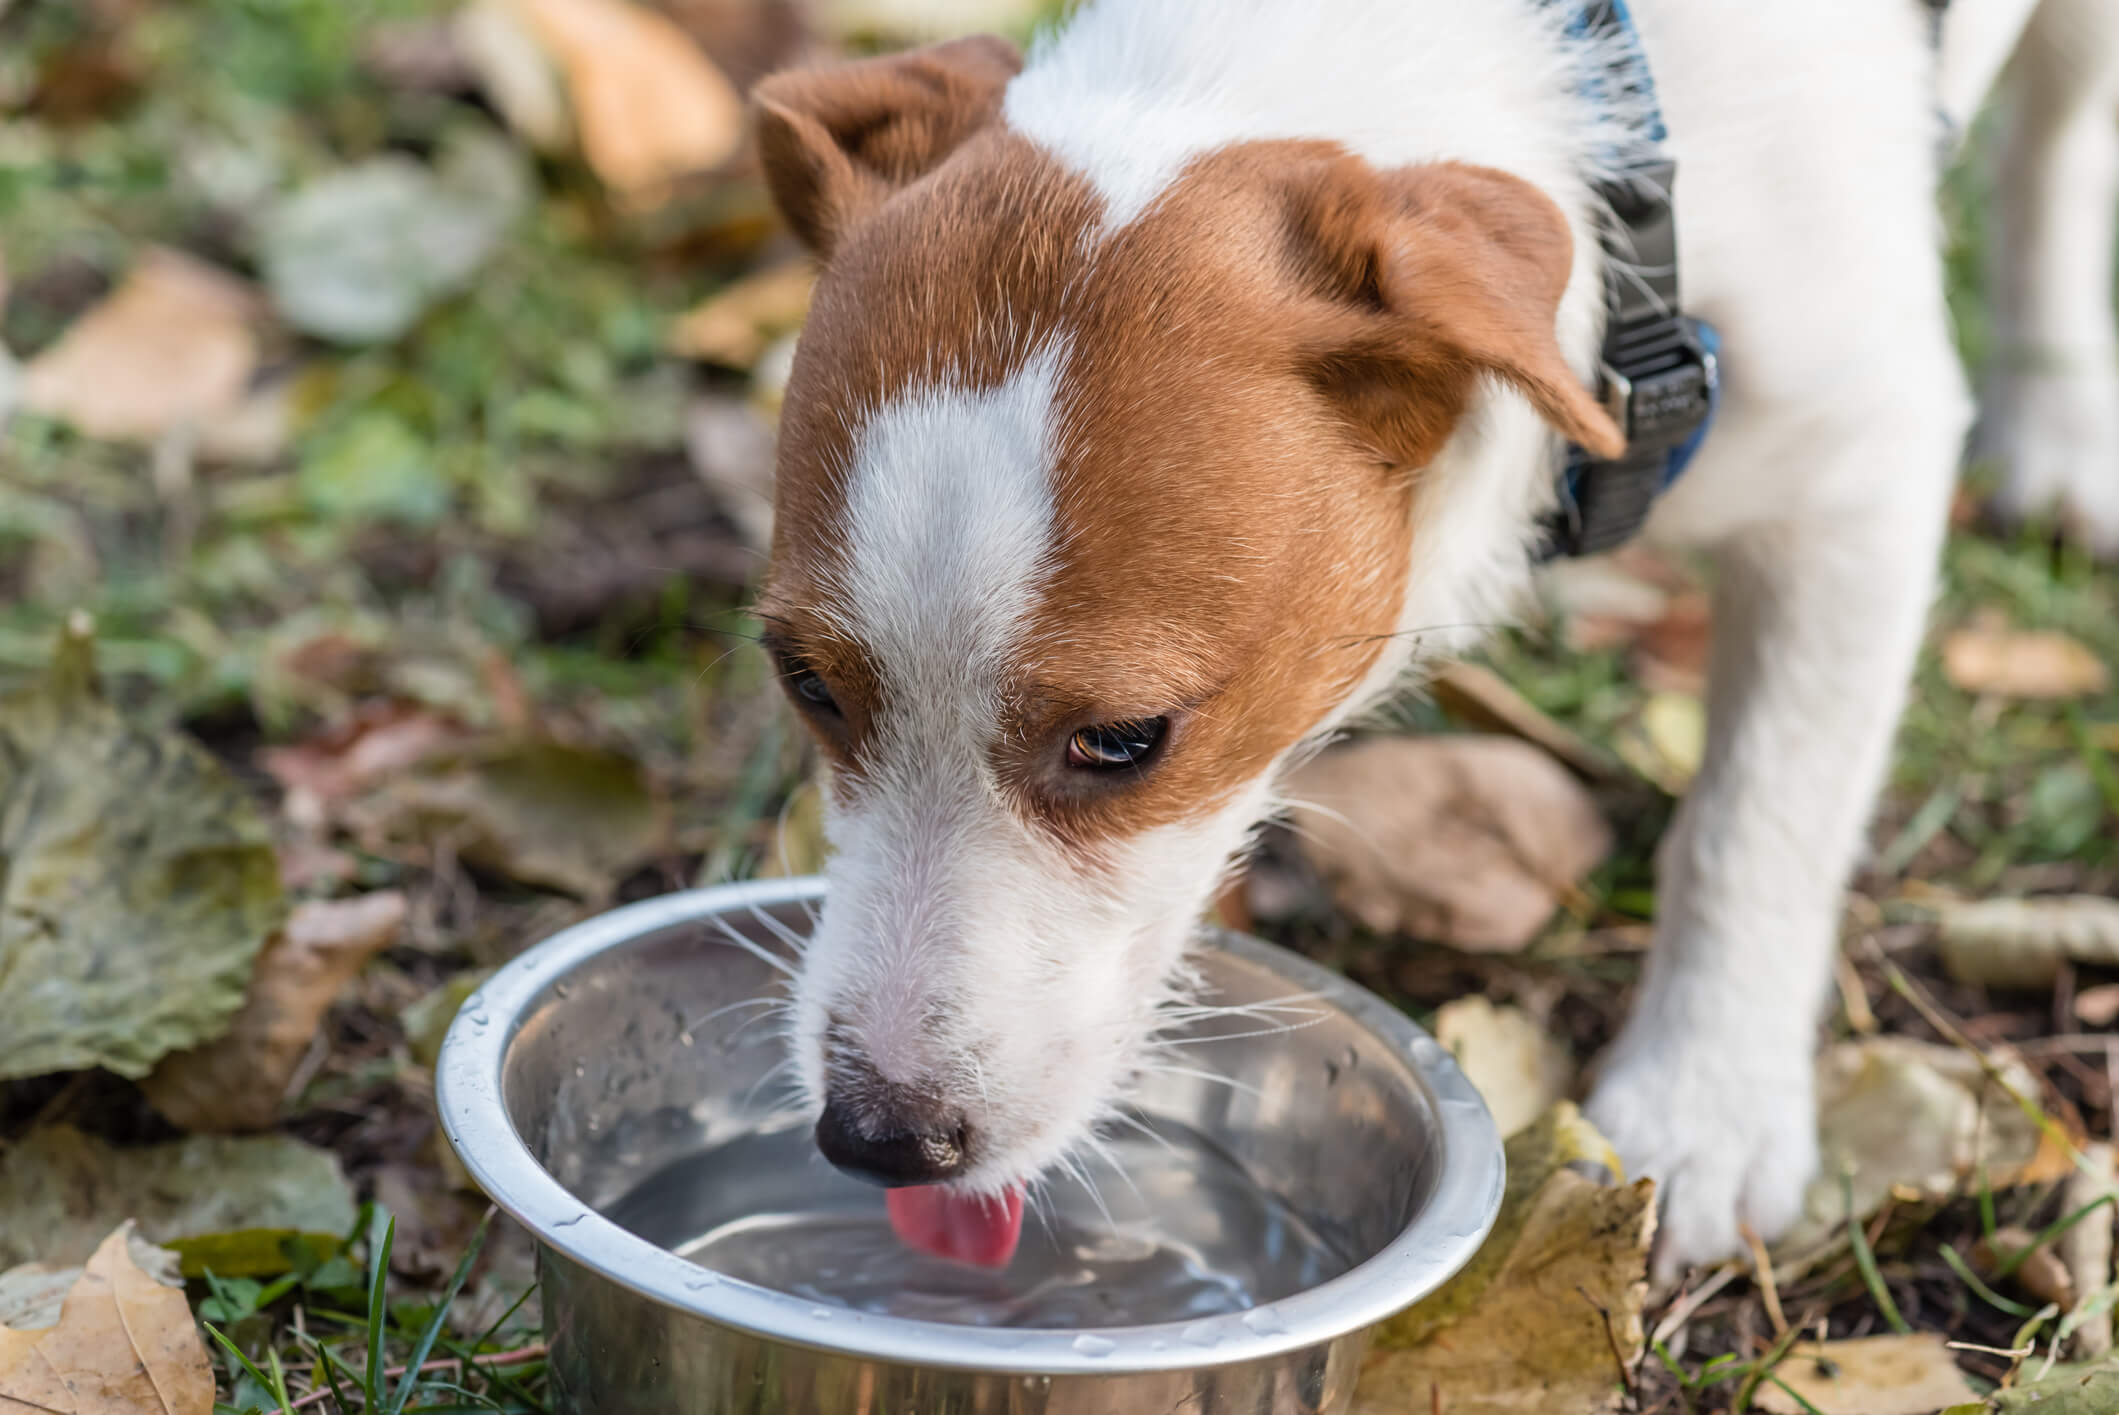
[
  {"x": 2053, "y": 386},
  {"x": 1816, "y": 622}
]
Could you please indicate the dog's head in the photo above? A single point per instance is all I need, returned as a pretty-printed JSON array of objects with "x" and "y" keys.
[{"x": 1082, "y": 529}]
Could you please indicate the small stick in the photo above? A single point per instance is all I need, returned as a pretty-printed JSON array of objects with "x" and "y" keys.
[
  {"x": 1853, "y": 995},
  {"x": 2014, "y": 1353},
  {"x": 1682, "y": 1312},
  {"x": 516, "y": 1357},
  {"x": 1762, "y": 1269},
  {"x": 2086, "y": 1249}
]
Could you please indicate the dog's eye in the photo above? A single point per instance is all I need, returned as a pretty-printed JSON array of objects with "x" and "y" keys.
[
  {"x": 1116, "y": 744},
  {"x": 812, "y": 691}
]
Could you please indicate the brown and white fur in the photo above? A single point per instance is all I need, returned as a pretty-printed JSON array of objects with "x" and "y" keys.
[{"x": 1213, "y": 364}]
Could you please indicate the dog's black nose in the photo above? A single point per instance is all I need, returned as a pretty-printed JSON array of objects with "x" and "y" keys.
[{"x": 893, "y": 1144}]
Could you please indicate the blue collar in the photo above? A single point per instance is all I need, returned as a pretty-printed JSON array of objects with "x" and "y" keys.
[{"x": 1659, "y": 372}]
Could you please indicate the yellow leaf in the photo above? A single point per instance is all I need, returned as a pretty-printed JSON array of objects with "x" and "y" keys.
[
  {"x": 1516, "y": 1067},
  {"x": 125, "y": 1344},
  {"x": 2011, "y": 664},
  {"x": 1874, "y": 1375},
  {"x": 238, "y": 1081},
  {"x": 649, "y": 106},
  {"x": 735, "y": 326},
  {"x": 171, "y": 346},
  {"x": 2022, "y": 942}
]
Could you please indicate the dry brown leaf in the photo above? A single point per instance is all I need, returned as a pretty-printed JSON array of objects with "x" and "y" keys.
[
  {"x": 124, "y": 1344},
  {"x": 1670, "y": 654},
  {"x": 378, "y": 742},
  {"x": 2013, "y": 664},
  {"x": 2021, "y": 943},
  {"x": 2042, "y": 1273},
  {"x": 1518, "y": 1069},
  {"x": 926, "y": 19},
  {"x": 238, "y": 1081},
  {"x": 649, "y": 106},
  {"x": 1481, "y": 699},
  {"x": 1872, "y": 1375},
  {"x": 1470, "y": 841},
  {"x": 736, "y": 326},
  {"x": 171, "y": 346}
]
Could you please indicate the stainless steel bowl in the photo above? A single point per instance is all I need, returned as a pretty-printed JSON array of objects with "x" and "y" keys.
[{"x": 590, "y": 1063}]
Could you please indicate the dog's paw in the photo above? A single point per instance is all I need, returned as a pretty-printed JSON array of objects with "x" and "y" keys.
[
  {"x": 1729, "y": 1141},
  {"x": 2056, "y": 438}
]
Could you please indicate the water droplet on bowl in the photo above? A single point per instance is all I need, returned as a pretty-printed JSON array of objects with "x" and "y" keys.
[
  {"x": 1090, "y": 1344},
  {"x": 1264, "y": 1321},
  {"x": 563, "y": 989},
  {"x": 1203, "y": 1333},
  {"x": 701, "y": 1282},
  {"x": 571, "y": 1221},
  {"x": 822, "y": 1314}
]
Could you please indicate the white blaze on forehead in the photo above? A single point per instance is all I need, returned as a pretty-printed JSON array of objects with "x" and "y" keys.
[{"x": 949, "y": 519}]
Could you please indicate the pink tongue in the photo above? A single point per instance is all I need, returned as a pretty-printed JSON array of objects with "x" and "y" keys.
[{"x": 957, "y": 1226}]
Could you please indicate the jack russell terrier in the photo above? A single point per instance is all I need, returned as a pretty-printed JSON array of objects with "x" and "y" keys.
[{"x": 1172, "y": 394}]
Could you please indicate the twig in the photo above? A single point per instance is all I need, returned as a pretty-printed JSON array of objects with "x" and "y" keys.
[
  {"x": 2086, "y": 1249},
  {"x": 1853, "y": 996},
  {"x": 1682, "y": 1312},
  {"x": 1611, "y": 1339},
  {"x": 2014, "y": 1353},
  {"x": 533, "y": 1352},
  {"x": 1762, "y": 1269}
]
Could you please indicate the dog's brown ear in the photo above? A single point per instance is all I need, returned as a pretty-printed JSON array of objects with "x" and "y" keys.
[
  {"x": 837, "y": 141},
  {"x": 1430, "y": 276}
]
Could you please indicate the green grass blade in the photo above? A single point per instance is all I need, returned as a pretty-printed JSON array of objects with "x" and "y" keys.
[
  {"x": 372, "y": 1381},
  {"x": 502, "y": 1320},
  {"x": 279, "y": 1381},
  {"x": 1865, "y": 1260},
  {"x": 1986, "y": 1294},
  {"x": 2050, "y": 1232},
  {"x": 410, "y": 1380},
  {"x": 1795, "y": 1395},
  {"x": 231, "y": 1348}
]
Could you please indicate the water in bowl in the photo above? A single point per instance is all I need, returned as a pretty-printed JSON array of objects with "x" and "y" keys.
[{"x": 1162, "y": 1228}]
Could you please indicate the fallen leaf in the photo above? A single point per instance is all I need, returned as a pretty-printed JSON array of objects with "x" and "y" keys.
[
  {"x": 747, "y": 39},
  {"x": 30, "y": 1294},
  {"x": 239, "y": 1080},
  {"x": 124, "y": 1344},
  {"x": 1871, "y": 1375},
  {"x": 60, "y": 1188},
  {"x": 373, "y": 465},
  {"x": 170, "y": 347},
  {"x": 2021, "y": 943},
  {"x": 518, "y": 76},
  {"x": 2098, "y": 1006},
  {"x": 737, "y": 325},
  {"x": 251, "y": 1252},
  {"x": 2066, "y": 1390},
  {"x": 2016, "y": 664},
  {"x": 649, "y": 106},
  {"x": 358, "y": 255},
  {"x": 1670, "y": 653},
  {"x": 1666, "y": 741},
  {"x": 544, "y": 813},
  {"x": 1481, "y": 699},
  {"x": 1915, "y": 1119},
  {"x": 380, "y": 740},
  {"x": 1519, "y": 1070},
  {"x": 2041, "y": 1273},
  {"x": 1469, "y": 841},
  {"x": 1552, "y": 1319},
  {"x": 139, "y": 881}
]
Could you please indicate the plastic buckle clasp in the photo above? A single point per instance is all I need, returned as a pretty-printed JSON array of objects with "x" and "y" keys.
[{"x": 1661, "y": 400}]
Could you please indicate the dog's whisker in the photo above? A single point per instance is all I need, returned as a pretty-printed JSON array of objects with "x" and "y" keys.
[{"x": 730, "y": 933}]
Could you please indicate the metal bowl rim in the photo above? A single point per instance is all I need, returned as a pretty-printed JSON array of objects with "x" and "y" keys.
[{"x": 1436, "y": 1244}]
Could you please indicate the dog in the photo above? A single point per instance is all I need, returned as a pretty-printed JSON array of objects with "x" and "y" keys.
[{"x": 1171, "y": 395}]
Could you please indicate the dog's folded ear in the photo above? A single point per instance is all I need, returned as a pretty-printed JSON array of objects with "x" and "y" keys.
[
  {"x": 837, "y": 141},
  {"x": 1419, "y": 279}
]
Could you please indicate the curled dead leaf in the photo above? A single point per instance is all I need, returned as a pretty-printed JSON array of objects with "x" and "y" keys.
[
  {"x": 2022, "y": 943},
  {"x": 2038, "y": 1271},
  {"x": 380, "y": 740},
  {"x": 125, "y": 1342},
  {"x": 239, "y": 1080},
  {"x": 1470, "y": 841},
  {"x": 649, "y": 106},
  {"x": 2017, "y": 664},
  {"x": 170, "y": 347}
]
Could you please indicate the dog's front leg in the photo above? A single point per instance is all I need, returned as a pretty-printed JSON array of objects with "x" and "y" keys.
[{"x": 1816, "y": 622}]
